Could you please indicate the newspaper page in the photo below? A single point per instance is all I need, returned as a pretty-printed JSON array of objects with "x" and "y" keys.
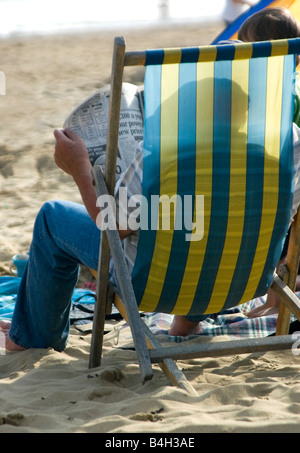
[{"x": 89, "y": 120}]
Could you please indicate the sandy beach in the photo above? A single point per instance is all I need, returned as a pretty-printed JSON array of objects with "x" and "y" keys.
[{"x": 43, "y": 391}]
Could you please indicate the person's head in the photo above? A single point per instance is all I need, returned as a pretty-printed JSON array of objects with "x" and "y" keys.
[{"x": 269, "y": 23}]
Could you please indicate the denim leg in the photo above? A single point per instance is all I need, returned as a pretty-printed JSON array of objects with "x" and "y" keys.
[{"x": 64, "y": 236}]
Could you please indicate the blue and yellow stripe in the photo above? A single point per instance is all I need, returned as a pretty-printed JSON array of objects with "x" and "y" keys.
[
  {"x": 235, "y": 51},
  {"x": 210, "y": 129}
]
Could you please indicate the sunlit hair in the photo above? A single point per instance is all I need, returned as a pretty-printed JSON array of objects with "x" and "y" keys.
[{"x": 269, "y": 24}]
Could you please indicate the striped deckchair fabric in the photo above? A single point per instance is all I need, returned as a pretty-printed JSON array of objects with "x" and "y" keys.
[
  {"x": 217, "y": 193},
  {"x": 217, "y": 175}
]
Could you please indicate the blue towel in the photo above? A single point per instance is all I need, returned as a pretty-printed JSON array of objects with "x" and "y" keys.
[{"x": 8, "y": 293}]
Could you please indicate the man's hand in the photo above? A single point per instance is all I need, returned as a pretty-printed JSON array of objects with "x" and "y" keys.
[{"x": 71, "y": 154}]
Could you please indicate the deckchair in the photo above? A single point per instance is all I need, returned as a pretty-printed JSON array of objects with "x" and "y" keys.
[{"x": 218, "y": 147}]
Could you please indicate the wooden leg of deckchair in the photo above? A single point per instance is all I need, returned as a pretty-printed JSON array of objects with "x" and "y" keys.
[
  {"x": 284, "y": 315},
  {"x": 124, "y": 282},
  {"x": 288, "y": 297},
  {"x": 110, "y": 294},
  {"x": 223, "y": 348},
  {"x": 168, "y": 366},
  {"x": 289, "y": 276},
  {"x": 100, "y": 305},
  {"x": 110, "y": 171}
]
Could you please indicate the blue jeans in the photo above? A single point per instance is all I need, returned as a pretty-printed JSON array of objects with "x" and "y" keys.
[{"x": 64, "y": 236}]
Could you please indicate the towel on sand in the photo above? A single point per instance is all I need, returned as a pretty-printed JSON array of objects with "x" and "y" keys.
[
  {"x": 229, "y": 322},
  {"x": 82, "y": 308}
]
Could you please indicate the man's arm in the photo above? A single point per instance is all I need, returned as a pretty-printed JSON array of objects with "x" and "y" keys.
[{"x": 71, "y": 155}]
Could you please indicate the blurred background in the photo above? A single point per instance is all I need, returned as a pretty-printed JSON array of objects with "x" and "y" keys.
[
  {"x": 48, "y": 16},
  {"x": 54, "y": 54}
]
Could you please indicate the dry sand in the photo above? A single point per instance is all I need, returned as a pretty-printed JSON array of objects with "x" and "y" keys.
[{"x": 45, "y": 391}]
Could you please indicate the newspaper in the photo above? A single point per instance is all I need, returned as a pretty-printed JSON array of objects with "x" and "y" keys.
[{"x": 90, "y": 118}]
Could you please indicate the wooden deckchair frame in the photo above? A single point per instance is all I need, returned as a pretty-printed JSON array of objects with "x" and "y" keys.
[{"x": 283, "y": 285}]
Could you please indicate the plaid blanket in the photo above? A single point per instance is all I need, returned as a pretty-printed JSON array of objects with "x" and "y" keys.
[{"x": 233, "y": 322}]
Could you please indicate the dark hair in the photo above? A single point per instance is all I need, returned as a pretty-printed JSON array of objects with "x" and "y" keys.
[{"x": 269, "y": 23}]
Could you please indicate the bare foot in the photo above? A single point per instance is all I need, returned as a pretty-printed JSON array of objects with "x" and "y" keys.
[
  {"x": 270, "y": 307},
  {"x": 262, "y": 311},
  {"x": 8, "y": 343},
  {"x": 182, "y": 327}
]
